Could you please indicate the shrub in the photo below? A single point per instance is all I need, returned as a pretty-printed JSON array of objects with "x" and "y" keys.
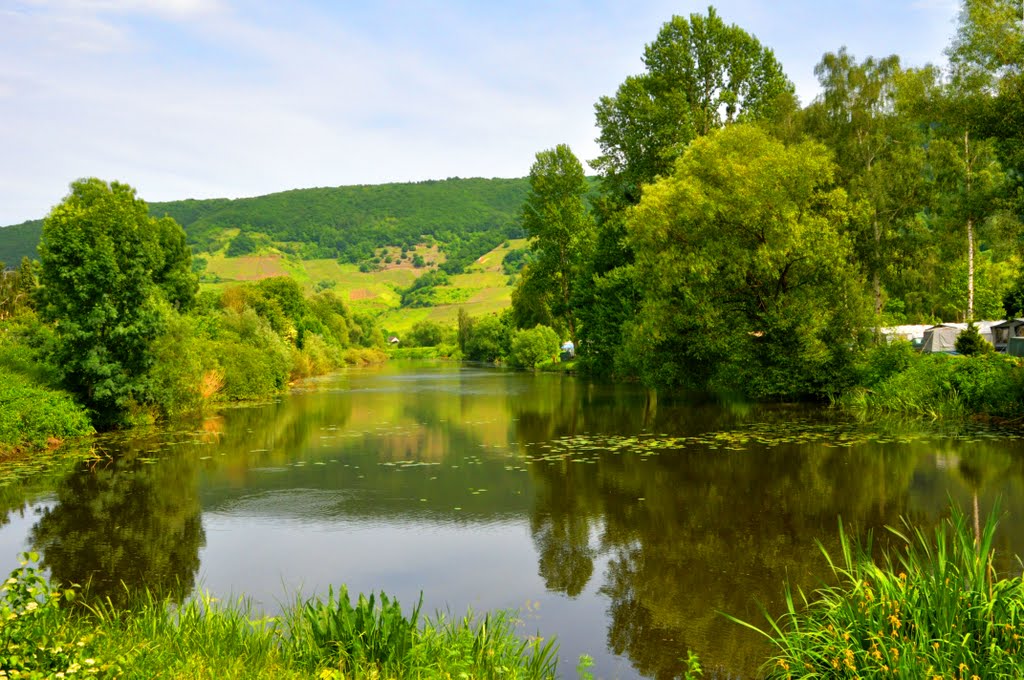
[
  {"x": 487, "y": 339},
  {"x": 970, "y": 343},
  {"x": 534, "y": 346},
  {"x": 32, "y": 415},
  {"x": 884, "y": 360},
  {"x": 34, "y": 640},
  {"x": 425, "y": 334},
  {"x": 992, "y": 384},
  {"x": 940, "y": 384},
  {"x": 181, "y": 360},
  {"x": 364, "y": 356},
  {"x": 924, "y": 388}
]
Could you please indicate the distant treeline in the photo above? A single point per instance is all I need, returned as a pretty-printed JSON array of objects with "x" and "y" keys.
[{"x": 466, "y": 217}]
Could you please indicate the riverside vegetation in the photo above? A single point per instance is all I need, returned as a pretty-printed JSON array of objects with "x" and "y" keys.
[
  {"x": 932, "y": 607},
  {"x": 733, "y": 242},
  {"x": 54, "y": 633}
]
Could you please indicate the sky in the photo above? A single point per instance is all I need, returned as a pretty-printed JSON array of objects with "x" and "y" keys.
[{"x": 230, "y": 98}]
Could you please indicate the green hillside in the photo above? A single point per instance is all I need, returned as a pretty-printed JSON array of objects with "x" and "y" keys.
[
  {"x": 465, "y": 217},
  {"x": 18, "y": 241}
]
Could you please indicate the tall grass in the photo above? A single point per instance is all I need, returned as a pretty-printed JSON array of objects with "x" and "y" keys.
[
  {"x": 44, "y": 634},
  {"x": 933, "y": 607}
]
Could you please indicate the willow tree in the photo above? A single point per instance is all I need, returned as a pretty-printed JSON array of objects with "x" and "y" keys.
[
  {"x": 745, "y": 274},
  {"x": 700, "y": 74}
]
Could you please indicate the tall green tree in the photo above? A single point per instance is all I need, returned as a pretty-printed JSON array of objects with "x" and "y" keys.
[
  {"x": 880, "y": 160},
  {"x": 105, "y": 274},
  {"x": 560, "y": 227},
  {"x": 744, "y": 270},
  {"x": 987, "y": 85},
  {"x": 701, "y": 74},
  {"x": 973, "y": 187}
]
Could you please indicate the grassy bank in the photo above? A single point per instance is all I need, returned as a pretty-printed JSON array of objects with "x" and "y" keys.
[
  {"x": 50, "y": 633},
  {"x": 34, "y": 417},
  {"x": 934, "y": 607}
]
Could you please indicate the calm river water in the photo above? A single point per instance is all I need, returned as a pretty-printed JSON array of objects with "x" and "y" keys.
[{"x": 620, "y": 523}]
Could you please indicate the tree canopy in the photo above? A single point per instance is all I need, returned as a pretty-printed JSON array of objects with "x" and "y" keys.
[
  {"x": 561, "y": 230},
  {"x": 744, "y": 272},
  {"x": 701, "y": 74},
  {"x": 107, "y": 268}
]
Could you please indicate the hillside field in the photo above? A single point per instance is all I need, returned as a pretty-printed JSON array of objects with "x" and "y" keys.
[{"x": 483, "y": 288}]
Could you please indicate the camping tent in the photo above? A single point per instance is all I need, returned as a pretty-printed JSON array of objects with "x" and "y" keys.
[
  {"x": 941, "y": 338},
  {"x": 913, "y": 333},
  {"x": 1002, "y": 332}
]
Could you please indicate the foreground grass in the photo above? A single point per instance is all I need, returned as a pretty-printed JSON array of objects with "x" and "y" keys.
[
  {"x": 46, "y": 633},
  {"x": 934, "y": 608}
]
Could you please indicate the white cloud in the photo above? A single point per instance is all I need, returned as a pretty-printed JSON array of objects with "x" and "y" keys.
[{"x": 204, "y": 98}]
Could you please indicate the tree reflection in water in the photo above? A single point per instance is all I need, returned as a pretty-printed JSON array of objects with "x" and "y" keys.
[
  {"x": 127, "y": 523},
  {"x": 698, "y": 530}
]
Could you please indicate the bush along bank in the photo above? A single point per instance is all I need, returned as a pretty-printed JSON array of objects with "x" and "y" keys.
[{"x": 895, "y": 378}]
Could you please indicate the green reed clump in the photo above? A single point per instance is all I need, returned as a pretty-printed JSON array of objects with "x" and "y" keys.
[
  {"x": 938, "y": 384},
  {"x": 336, "y": 633},
  {"x": 46, "y": 632},
  {"x": 934, "y": 607},
  {"x": 481, "y": 648}
]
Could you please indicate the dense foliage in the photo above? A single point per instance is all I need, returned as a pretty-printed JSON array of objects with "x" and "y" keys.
[
  {"x": 747, "y": 246},
  {"x": 120, "y": 327},
  {"x": 744, "y": 277},
  {"x": 107, "y": 271}
]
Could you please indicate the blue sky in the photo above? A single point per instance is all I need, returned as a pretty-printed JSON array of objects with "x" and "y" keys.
[{"x": 207, "y": 98}]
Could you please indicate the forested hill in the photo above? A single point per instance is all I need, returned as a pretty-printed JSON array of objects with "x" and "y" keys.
[
  {"x": 466, "y": 216},
  {"x": 18, "y": 241}
]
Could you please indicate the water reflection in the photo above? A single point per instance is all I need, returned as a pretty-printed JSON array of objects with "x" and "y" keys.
[
  {"x": 495, "y": 489},
  {"x": 125, "y": 521}
]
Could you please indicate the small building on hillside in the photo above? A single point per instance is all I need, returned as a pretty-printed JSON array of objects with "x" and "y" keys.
[{"x": 393, "y": 340}]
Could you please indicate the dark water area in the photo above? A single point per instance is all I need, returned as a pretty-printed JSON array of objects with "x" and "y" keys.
[{"x": 622, "y": 523}]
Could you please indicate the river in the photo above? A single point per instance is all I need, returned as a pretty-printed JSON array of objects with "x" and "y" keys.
[{"x": 622, "y": 523}]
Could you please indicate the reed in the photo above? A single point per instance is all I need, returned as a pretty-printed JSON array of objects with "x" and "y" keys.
[{"x": 933, "y": 606}]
